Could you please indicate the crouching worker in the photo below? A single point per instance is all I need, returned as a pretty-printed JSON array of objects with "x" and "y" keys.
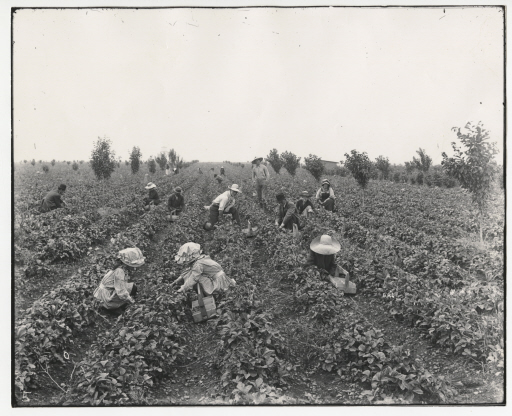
[
  {"x": 114, "y": 291},
  {"x": 286, "y": 213},
  {"x": 53, "y": 199},
  {"x": 321, "y": 254},
  {"x": 176, "y": 202},
  {"x": 304, "y": 205},
  {"x": 152, "y": 198},
  {"x": 223, "y": 204},
  {"x": 202, "y": 270}
]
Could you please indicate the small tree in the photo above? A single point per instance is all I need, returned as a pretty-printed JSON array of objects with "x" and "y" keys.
[
  {"x": 81, "y": 161},
  {"x": 33, "y": 162},
  {"x": 46, "y": 168},
  {"x": 275, "y": 160},
  {"x": 135, "y": 157},
  {"x": 152, "y": 166},
  {"x": 409, "y": 167},
  {"x": 68, "y": 162},
  {"x": 25, "y": 161},
  {"x": 53, "y": 162},
  {"x": 103, "y": 160},
  {"x": 314, "y": 165},
  {"x": 383, "y": 166},
  {"x": 172, "y": 157},
  {"x": 161, "y": 160},
  {"x": 40, "y": 161},
  {"x": 473, "y": 165},
  {"x": 290, "y": 162},
  {"x": 424, "y": 162},
  {"x": 126, "y": 162},
  {"x": 360, "y": 166},
  {"x": 74, "y": 166}
]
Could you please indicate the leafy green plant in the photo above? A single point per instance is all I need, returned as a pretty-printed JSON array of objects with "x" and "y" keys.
[
  {"x": 314, "y": 165},
  {"x": 275, "y": 160},
  {"x": 135, "y": 159},
  {"x": 103, "y": 161}
]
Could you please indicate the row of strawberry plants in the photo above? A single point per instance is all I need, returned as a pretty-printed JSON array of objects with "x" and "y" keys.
[
  {"x": 46, "y": 329},
  {"x": 477, "y": 343},
  {"x": 145, "y": 345},
  {"x": 322, "y": 303},
  {"x": 59, "y": 235}
]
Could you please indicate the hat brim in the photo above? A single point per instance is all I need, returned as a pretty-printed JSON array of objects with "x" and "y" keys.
[
  {"x": 324, "y": 249},
  {"x": 258, "y": 158},
  {"x": 150, "y": 187},
  {"x": 133, "y": 264},
  {"x": 236, "y": 190}
]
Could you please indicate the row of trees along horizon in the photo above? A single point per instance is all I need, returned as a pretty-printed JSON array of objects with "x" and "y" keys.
[{"x": 472, "y": 166}]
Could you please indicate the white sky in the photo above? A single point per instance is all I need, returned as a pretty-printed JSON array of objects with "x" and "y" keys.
[{"x": 231, "y": 84}]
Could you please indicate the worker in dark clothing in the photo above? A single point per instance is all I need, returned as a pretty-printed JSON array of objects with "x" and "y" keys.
[
  {"x": 304, "y": 205},
  {"x": 286, "y": 213},
  {"x": 153, "y": 198},
  {"x": 222, "y": 171},
  {"x": 53, "y": 199},
  {"x": 321, "y": 254},
  {"x": 176, "y": 202}
]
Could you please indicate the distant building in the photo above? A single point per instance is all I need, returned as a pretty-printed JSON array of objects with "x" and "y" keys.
[{"x": 329, "y": 165}]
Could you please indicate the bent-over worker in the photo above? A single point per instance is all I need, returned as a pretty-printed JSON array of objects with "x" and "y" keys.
[
  {"x": 304, "y": 205},
  {"x": 286, "y": 213},
  {"x": 321, "y": 254},
  {"x": 153, "y": 198},
  {"x": 224, "y": 204},
  {"x": 53, "y": 199},
  {"x": 176, "y": 201},
  {"x": 201, "y": 270},
  {"x": 114, "y": 290}
]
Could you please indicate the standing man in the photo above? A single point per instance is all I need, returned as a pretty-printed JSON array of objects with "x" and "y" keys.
[
  {"x": 224, "y": 204},
  {"x": 53, "y": 199},
  {"x": 260, "y": 176},
  {"x": 222, "y": 171}
]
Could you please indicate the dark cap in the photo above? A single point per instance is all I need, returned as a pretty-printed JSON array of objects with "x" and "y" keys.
[{"x": 62, "y": 187}]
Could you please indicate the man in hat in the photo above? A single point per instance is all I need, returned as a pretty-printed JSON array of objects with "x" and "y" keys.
[
  {"x": 53, "y": 199},
  {"x": 225, "y": 204},
  {"x": 176, "y": 201},
  {"x": 260, "y": 176},
  {"x": 325, "y": 196},
  {"x": 114, "y": 290},
  {"x": 304, "y": 205},
  {"x": 201, "y": 270},
  {"x": 222, "y": 171},
  {"x": 286, "y": 213},
  {"x": 321, "y": 254},
  {"x": 153, "y": 198}
]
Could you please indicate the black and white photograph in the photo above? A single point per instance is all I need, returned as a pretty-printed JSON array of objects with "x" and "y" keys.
[{"x": 259, "y": 204}]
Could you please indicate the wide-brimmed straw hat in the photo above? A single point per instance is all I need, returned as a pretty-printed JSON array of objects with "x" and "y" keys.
[
  {"x": 150, "y": 185},
  {"x": 256, "y": 159},
  {"x": 178, "y": 189},
  {"x": 305, "y": 194},
  {"x": 235, "y": 188},
  {"x": 325, "y": 181},
  {"x": 187, "y": 253},
  {"x": 325, "y": 245},
  {"x": 131, "y": 257}
]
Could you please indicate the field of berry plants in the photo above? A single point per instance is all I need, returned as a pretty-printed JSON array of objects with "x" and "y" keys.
[{"x": 425, "y": 327}]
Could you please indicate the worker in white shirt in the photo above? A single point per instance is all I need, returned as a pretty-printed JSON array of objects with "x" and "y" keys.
[
  {"x": 225, "y": 204},
  {"x": 260, "y": 176}
]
